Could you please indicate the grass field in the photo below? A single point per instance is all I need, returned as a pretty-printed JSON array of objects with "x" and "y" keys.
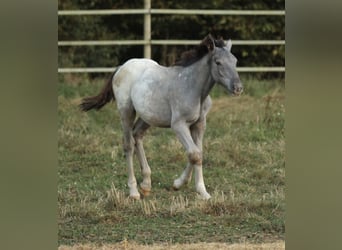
[{"x": 244, "y": 171}]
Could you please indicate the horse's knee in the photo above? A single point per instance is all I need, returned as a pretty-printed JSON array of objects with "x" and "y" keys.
[{"x": 195, "y": 157}]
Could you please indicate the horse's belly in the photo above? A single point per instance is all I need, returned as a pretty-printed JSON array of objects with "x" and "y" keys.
[
  {"x": 151, "y": 107},
  {"x": 155, "y": 120}
]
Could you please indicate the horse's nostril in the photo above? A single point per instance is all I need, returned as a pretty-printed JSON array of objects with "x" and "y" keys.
[{"x": 238, "y": 89}]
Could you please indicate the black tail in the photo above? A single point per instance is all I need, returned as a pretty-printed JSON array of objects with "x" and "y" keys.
[{"x": 97, "y": 102}]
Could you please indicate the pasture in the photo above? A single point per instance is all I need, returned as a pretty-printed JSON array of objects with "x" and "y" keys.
[{"x": 243, "y": 168}]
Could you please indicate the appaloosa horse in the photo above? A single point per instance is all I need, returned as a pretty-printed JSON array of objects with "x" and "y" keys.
[{"x": 148, "y": 94}]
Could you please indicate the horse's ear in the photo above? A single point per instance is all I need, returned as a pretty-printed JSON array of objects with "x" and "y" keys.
[
  {"x": 210, "y": 42},
  {"x": 229, "y": 45}
]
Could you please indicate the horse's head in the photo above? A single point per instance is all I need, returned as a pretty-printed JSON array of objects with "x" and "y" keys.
[{"x": 223, "y": 67}]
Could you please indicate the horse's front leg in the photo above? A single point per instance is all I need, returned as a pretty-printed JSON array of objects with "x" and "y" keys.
[
  {"x": 197, "y": 133},
  {"x": 194, "y": 155},
  {"x": 185, "y": 177}
]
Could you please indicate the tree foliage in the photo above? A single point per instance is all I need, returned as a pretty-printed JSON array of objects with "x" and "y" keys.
[{"x": 192, "y": 27}]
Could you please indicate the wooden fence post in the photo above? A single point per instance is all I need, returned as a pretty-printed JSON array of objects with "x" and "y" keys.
[{"x": 147, "y": 29}]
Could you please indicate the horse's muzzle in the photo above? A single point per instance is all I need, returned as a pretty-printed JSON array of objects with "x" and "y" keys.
[{"x": 238, "y": 89}]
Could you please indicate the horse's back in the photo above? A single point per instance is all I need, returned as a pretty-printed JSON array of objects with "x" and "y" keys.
[
  {"x": 128, "y": 74},
  {"x": 131, "y": 70},
  {"x": 140, "y": 63}
]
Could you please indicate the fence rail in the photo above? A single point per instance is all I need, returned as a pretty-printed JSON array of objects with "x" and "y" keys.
[
  {"x": 171, "y": 12},
  {"x": 163, "y": 42},
  {"x": 147, "y": 42},
  {"x": 104, "y": 70}
]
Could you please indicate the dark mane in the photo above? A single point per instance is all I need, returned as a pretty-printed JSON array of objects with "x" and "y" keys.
[{"x": 191, "y": 56}]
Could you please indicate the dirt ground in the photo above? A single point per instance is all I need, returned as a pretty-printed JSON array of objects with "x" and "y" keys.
[{"x": 197, "y": 246}]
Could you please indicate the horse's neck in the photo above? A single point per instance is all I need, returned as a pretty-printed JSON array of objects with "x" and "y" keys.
[{"x": 201, "y": 78}]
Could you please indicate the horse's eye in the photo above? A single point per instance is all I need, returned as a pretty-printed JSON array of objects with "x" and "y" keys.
[{"x": 218, "y": 63}]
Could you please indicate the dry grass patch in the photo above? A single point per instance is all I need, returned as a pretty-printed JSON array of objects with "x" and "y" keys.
[{"x": 197, "y": 246}]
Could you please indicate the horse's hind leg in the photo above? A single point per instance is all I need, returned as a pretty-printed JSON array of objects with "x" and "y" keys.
[
  {"x": 139, "y": 130},
  {"x": 127, "y": 121}
]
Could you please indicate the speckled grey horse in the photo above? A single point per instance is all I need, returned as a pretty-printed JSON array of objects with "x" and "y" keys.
[{"x": 148, "y": 94}]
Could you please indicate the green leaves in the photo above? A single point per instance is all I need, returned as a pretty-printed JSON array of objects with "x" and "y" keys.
[{"x": 116, "y": 27}]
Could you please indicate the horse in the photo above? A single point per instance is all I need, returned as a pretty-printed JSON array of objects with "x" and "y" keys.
[{"x": 177, "y": 97}]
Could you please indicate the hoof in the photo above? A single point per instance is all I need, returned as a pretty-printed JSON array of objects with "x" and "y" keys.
[
  {"x": 205, "y": 196},
  {"x": 145, "y": 192},
  {"x": 135, "y": 197},
  {"x": 177, "y": 184}
]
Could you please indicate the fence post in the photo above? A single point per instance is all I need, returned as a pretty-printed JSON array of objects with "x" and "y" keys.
[{"x": 147, "y": 29}]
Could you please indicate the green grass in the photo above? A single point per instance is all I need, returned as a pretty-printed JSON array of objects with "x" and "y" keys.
[{"x": 244, "y": 170}]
